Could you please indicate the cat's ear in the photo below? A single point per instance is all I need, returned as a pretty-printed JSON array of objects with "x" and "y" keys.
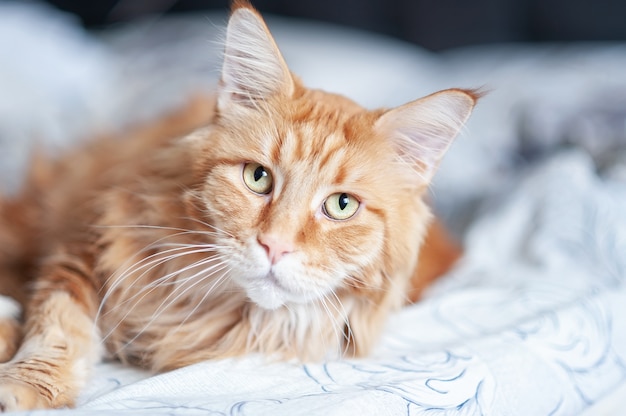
[
  {"x": 423, "y": 130},
  {"x": 253, "y": 68}
]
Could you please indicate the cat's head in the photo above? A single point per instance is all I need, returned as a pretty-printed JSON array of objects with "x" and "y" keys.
[{"x": 313, "y": 196}]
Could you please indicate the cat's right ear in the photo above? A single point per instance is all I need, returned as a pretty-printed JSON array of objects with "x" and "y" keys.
[
  {"x": 253, "y": 69},
  {"x": 423, "y": 130}
]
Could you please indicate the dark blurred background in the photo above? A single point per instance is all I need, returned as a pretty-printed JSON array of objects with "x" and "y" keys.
[{"x": 434, "y": 24}]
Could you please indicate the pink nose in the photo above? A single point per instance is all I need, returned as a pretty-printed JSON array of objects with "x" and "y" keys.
[{"x": 274, "y": 246}]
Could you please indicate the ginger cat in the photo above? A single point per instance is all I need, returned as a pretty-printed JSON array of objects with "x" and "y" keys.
[{"x": 289, "y": 225}]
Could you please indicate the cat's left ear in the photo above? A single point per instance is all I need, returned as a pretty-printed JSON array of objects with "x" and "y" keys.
[
  {"x": 253, "y": 68},
  {"x": 423, "y": 130}
]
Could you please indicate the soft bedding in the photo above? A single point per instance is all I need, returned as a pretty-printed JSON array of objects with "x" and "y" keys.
[{"x": 530, "y": 322}]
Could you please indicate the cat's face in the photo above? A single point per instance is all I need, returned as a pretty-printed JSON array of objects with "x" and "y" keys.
[
  {"x": 301, "y": 201},
  {"x": 312, "y": 196}
]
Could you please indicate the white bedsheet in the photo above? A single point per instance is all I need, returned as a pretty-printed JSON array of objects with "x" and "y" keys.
[{"x": 531, "y": 322}]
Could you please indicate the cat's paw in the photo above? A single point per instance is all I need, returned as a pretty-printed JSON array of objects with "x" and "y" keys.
[{"x": 15, "y": 396}]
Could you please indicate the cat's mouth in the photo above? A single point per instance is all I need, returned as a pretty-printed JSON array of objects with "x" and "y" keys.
[
  {"x": 273, "y": 280},
  {"x": 268, "y": 292}
]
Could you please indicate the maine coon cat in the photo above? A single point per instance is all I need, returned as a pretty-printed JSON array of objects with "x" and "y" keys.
[{"x": 288, "y": 225}]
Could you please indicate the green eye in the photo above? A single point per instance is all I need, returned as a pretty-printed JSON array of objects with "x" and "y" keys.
[
  {"x": 258, "y": 179},
  {"x": 340, "y": 206}
]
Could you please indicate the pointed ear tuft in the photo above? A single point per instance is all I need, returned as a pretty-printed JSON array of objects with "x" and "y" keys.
[
  {"x": 423, "y": 130},
  {"x": 253, "y": 68}
]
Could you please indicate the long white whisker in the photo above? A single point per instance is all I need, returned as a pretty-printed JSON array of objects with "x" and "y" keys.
[
  {"x": 324, "y": 303},
  {"x": 160, "y": 281},
  {"x": 217, "y": 231},
  {"x": 349, "y": 336},
  {"x": 148, "y": 247},
  {"x": 145, "y": 291},
  {"x": 155, "y": 260},
  {"x": 218, "y": 282},
  {"x": 182, "y": 231},
  {"x": 163, "y": 308}
]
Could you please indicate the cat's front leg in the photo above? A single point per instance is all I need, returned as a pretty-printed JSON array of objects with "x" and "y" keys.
[
  {"x": 10, "y": 328},
  {"x": 60, "y": 343}
]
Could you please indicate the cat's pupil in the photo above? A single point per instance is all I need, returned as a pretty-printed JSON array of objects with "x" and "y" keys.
[
  {"x": 259, "y": 173},
  {"x": 343, "y": 201}
]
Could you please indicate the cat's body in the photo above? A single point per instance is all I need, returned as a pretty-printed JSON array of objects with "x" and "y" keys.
[{"x": 290, "y": 226}]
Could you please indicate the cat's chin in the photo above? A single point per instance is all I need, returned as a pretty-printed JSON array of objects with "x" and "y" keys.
[
  {"x": 266, "y": 295},
  {"x": 266, "y": 292},
  {"x": 267, "y": 304}
]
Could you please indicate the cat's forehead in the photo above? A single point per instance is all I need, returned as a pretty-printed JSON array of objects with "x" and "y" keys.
[
  {"x": 328, "y": 147},
  {"x": 318, "y": 137}
]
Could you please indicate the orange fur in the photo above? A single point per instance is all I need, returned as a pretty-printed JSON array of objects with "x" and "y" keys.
[
  {"x": 158, "y": 247},
  {"x": 10, "y": 336},
  {"x": 438, "y": 254}
]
